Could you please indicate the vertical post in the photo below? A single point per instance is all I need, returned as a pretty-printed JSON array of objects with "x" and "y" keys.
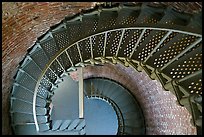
[
  {"x": 104, "y": 48},
  {"x": 91, "y": 47},
  {"x": 81, "y": 91}
]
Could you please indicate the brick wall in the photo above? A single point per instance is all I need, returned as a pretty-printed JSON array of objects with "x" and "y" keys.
[
  {"x": 22, "y": 24},
  {"x": 163, "y": 115}
]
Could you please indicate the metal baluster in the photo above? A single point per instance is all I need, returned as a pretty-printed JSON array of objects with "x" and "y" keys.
[
  {"x": 69, "y": 58},
  {"x": 104, "y": 49},
  {"x": 79, "y": 51},
  {"x": 123, "y": 32},
  {"x": 90, "y": 38}
]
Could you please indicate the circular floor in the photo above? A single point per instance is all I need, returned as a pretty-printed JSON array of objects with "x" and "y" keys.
[{"x": 100, "y": 117}]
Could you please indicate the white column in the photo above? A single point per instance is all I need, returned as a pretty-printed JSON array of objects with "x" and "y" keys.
[{"x": 81, "y": 93}]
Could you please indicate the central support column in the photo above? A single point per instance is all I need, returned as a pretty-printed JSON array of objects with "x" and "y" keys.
[{"x": 81, "y": 91}]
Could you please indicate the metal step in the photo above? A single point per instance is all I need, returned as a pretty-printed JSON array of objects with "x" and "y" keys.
[
  {"x": 29, "y": 129},
  {"x": 185, "y": 65},
  {"x": 61, "y": 37},
  {"x": 74, "y": 30},
  {"x": 107, "y": 88},
  {"x": 25, "y": 80},
  {"x": 56, "y": 124},
  {"x": 39, "y": 57},
  {"x": 134, "y": 131},
  {"x": 32, "y": 69},
  {"x": 49, "y": 46},
  {"x": 74, "y": 51},
  {"x": 20, "y": 118},
  {"x": 135, "y": 114},
  {"x": 74, "y": 124},
  {"x": 130, "y": 38},
  {"x": 60, "y": 133},
  {"x": 19, "y": 90},
  {"x": 23, "y": 107},
  {"x": 29, "y": 98},
  {"x": 117, "y": 93},
  {"x": 25, "y": 130},
  {"x": 65, "y": 124},
  {"x": 107, "y": 20},
  {"x": 68, "y": 125},
  {"x": 57, "y": 68},
  {"x": 133, "y": 123},
  {"x": 196, "y": 23},
  {"x": 89, "y": 23},
  {"x": 81, "y": 125},
  {"x": 85, "y": 49}
]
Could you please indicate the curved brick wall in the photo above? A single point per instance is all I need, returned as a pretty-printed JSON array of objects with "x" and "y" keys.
[
  {"x": 24, "y": 22},
  {"x": 163, "y": 115}
]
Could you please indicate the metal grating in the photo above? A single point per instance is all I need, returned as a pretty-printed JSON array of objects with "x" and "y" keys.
[
  {"x": 151, "y": 44},
  {"x": 196, "y": 87},
  {"x": 90, "y": 23},
  {"x": 161, "y": 57},
  {"x": 144, "y": 37},
  {"x": 43, "y": 91},
  {"x": 113, "y": 39},
  {"x": 174, "y": 50},
  {"x": 61, "y": 38},
  {"x": 26, "y": 81},
  {"x": 85, "y": 49},
  {"x": 57, "y": 69},
  {"x": 107, "y": 20},
  {"x": 40, "y": 58},
  {"x": 193, "y": 85},
  {"x": 186, "y": 65},
  {"x": 20, "y": 118},
  {"x": 128, "y": 43},
  {"x": 98, "y": 45},
  {"x": 49, "y": 47},
  {"x": 74, "y": 31},
  {"x": 64, "y": 60},
  {"x": 32, "y": 69},
  {"x": 74, "y": 54},
  {"x": 45, "y": 83},
  {"x": 51, "y": 76}
]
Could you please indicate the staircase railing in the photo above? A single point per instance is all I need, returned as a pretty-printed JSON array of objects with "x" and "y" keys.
[{"x": 127, "y": 61}]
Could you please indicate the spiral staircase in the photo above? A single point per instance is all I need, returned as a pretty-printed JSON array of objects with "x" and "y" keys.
[{"x": 163, "y": 42}]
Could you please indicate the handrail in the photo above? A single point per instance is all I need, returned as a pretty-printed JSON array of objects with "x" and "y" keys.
[{"x": 75, "y": 43}]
